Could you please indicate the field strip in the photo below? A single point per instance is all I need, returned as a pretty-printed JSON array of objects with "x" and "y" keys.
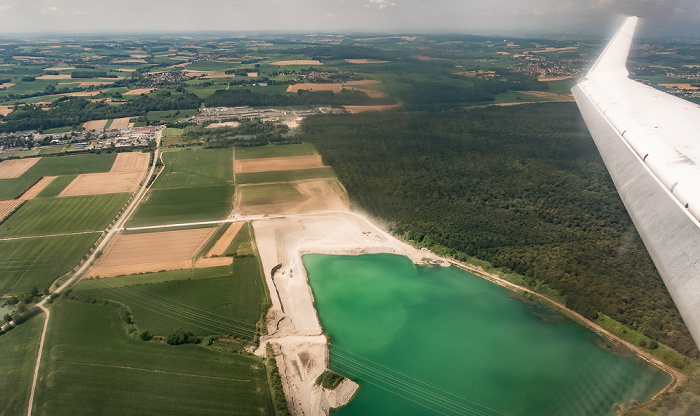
[
  {"x": 225, "y": 240},
  {"x": 120, "y": 123},
  {"x": 8, "y": 207},
  {"x": 213, "y": 262},
  {"x": 103, "y": 183},
  {"x": 10, "y": 169},
  {"x": 129, "y": 162},
  {"x": 49, "y": 235},
  {"x": 95, "y": 124},
  {"x": 37, "y": 188},
  {"x": 149, "y": 370},
  {"x": 271, "y": 164}
]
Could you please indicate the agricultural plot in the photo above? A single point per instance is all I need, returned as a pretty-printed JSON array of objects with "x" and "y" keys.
[
  {"x": 71, "y": 165},
  {"x": 46, "y": 216},
  {"x": 6, "y": 207},
  {"x": 284, "y": 176},
  {"x": 224, "y": 304},
  {"x": 278, "y": 163},
  {"x": 125, "y": 175},
  {"x": 292, "y": 198},
  {"x": 10, "y": 169},
  {"x": 256, "y": 152},
  {"x": 120, "y": 123},
  {"x": 37, "y": 188},
  {"x": 150, "y": 252},
  {"x": 19, "y": 350},
  {"x": 149, "y": 278},
  {"x": 169, "y": 206},
  {"x": 219, "y": 248},
  {"x": 95, "y": 124},
  {"x": 88, "y": 354},
  {"x": 13, "y": 188},
  {"x": 195, "y": 167},
  {"x": 38, "y": 261},
  {"x": 56, "y": 186}
]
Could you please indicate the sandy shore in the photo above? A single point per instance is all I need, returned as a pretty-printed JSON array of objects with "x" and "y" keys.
[{"x": 293, "y": 325}]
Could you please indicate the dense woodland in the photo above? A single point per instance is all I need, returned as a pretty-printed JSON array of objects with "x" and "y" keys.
[{"x": 522, "y": 187}]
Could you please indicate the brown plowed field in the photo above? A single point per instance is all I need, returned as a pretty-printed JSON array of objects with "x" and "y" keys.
[
  {"x": 297, "y": 62},
  {"x": 38, "y": 187},
  {"x": 354, "y": 109},
  {"x": 127, "y": 172},
  {"x": 6, "y": 109},
  {"x": 129, "y": 162},
  {"x": 214, "y": 262},
  {"x": 95, "y": 124},
  {"x": 278, "y": 163},
  {"x": 316, "y": 195},
  {"x": 8, "y": 206},
  {"x": 103, "y": 183},
  {"x": 150, "y": 252},
  {"x": 15, "y": 168},
  {"x": 138, "y": 91},
  {"x": 120, "y": 123},
  {"x": 336, "y": 88},
  {"x": 225, "y": 240}
]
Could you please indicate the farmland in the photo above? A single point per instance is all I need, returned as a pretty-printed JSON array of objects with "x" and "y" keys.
[
  {"x": 68, "y": 215},
  {"x": 56, "y": 186},
  {"x": 284, "y": 176},
  {"x": 165, "y": 206},
  {"x": 38, "y": 261},
  {"x": 89, "y": 353},
  {"x": 19, "y": 349},
  {"x": 304, "y": 149},
  {"x": 71, "y": 165},
  {"x": 227, "y": 303},
  {"x": 195, "y": 167}
]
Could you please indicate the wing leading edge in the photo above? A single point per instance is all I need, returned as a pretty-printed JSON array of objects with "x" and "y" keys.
[{"x": 650, "y": 143}]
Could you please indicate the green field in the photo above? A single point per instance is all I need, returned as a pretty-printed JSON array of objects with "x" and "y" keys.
[
  {"x": 50, "y": 150},
  {"x": 269, "y": 193},
  {"x": 171, "y": 115},
  {"x": 168, "y": 206},
  {"x": 241, "y": 243},
  {"x": 67, "y": 215},
  {"x": 303, "y": 149},
  {"x": 56, "y": 186},
  {"x": 195, "y": 167},
  {"x": 29, "y": 262},
  {"x": 148, "y": 278},
  {"x": 71, "y": 164},
  {"x": 93, "y": 367},
  {"x": 15, "y": 187},
  {"x": 228, "y": 303},
  {"x": 284, "y": 176},
  {"x": 19, "y": 350}
]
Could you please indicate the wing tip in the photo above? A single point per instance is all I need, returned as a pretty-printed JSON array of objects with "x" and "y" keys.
[{"x": 613, "y": 59}]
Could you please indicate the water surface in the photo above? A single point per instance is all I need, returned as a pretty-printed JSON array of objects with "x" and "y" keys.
[{"x": 433, "y": 340}]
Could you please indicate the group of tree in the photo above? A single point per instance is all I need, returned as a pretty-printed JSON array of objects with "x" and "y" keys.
[{"x": 522, "y": 187}]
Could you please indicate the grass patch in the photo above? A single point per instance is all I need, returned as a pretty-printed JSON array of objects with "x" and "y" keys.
[
  {"x": 284, "y": 176},
  {"x": 241, "y": 245},
  {"x": 158, "y": 277},
  {"x": 56, "y": 186},
  {"x": 71, "y": 165},
  {"x": 170, "y": 115},
  {"x": 194, "y": 167},
  {"x": 225, "y": 304},
  {"x": 15, "y": 187},
  {"x": 169, "y": 206},
  {"x": 50, "y": 150},
  {"x": 89, "y": 353},
  {"x": 67, "y": 215},
  {"x": 30, "y": 262},
  {"x": 256, "y": 152},
  {"x": 329, "y": 379},
  {"x": 19, "y": 350},
  {"x": 269, "y": 194}
]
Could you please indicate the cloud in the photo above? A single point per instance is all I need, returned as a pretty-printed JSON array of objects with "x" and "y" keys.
[
  {"x": 382, "y": 4},
  {"x": 6, "y": 6},
  {"x": 47, "y": 10}
]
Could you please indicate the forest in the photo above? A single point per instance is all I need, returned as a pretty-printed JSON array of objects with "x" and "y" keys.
[{"x": 522, "y": 187}]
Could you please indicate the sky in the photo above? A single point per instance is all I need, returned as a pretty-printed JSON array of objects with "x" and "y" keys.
[{"x": 489, "y": 17}]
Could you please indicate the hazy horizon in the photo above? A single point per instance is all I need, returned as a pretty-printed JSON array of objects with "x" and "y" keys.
[{"x": 660, "y": 18}]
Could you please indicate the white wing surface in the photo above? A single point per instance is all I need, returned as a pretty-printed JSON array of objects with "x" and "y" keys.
[{"x": 650, "y": 143}]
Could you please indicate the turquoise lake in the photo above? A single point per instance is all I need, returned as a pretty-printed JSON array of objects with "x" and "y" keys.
[{"x": 424, "y": 340}]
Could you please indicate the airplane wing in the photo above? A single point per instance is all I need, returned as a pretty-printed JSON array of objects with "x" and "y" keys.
[{"x": 650, "y": 143}]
